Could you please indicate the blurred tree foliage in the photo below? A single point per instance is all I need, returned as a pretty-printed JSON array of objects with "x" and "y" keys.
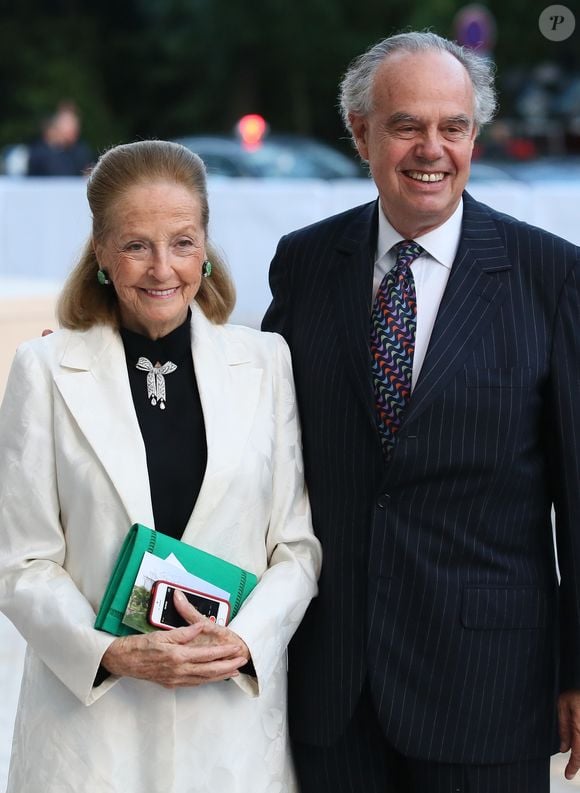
[{"x": 140, "y": 68}]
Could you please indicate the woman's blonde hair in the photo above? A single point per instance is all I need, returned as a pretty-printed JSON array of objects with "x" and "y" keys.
[{"x": 83, "y": 301}]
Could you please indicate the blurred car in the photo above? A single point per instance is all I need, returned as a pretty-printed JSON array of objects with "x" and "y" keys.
[
  {"x": 551, "y": 169},
  {"x": 541, "y": 169},
  {"x": 14, "y": 160},
  {"x": 487, "y": 172},
  {"x": 251, "y": 152},
  {"x": 279, "y": 156}
]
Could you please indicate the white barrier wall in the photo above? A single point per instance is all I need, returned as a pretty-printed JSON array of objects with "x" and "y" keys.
[{"x": 44, "y": 223}]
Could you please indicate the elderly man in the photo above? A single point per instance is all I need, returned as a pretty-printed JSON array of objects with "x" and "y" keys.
[{"x": 437, "y": 356}]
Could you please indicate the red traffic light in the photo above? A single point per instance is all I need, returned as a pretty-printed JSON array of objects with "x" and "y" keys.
[{"x": 251, "y": 129}]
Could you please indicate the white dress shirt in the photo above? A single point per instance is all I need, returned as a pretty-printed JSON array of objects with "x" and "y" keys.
[{"x": 430, "y": 271}]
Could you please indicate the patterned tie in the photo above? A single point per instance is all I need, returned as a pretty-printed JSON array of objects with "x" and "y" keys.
[{"x": 393, "y": 327}]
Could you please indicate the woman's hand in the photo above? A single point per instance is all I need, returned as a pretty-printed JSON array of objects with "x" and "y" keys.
[
  {"x": 180, "y": 657},
  {"x": 210, "y": 634}
]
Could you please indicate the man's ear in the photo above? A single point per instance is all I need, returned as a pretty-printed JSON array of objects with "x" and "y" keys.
[{"x": 359, "y": 128}]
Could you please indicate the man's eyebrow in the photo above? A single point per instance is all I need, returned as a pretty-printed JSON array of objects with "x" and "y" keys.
[
  {"x": 403, "y": 118},
  {"x": 460, "y": 120},
  {"x": 407, "y": 118}
]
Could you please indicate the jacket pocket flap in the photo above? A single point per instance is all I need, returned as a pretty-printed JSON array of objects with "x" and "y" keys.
[{"x": 503, "y": 608}]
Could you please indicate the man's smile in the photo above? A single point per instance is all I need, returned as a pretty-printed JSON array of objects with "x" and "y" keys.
[{"x": 425, "y": 176}]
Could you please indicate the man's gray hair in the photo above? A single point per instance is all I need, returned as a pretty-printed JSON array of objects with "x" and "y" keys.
[{"x": 356, "y": 88}]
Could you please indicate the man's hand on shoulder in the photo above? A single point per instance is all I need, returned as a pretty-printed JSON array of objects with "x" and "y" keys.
[
  {"x": 569, "y": 722},
  {"x": 46, "y": 332}
]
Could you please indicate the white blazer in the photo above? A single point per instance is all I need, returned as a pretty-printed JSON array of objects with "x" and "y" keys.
[{"x": 73, "y": 478}]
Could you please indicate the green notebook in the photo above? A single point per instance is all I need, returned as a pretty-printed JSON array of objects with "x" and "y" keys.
[{"x": 139, "y": 540}]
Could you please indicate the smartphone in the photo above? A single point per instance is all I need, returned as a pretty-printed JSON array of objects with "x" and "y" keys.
[{"x": 163, "y": 614}]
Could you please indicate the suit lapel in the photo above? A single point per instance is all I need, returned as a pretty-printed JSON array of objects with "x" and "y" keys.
[
  {"x": 472, "y": 297},
  {"x": 352, "y": 279},
  {"x": 229, "y": 389},
  {"x": 95, "y": 386}
]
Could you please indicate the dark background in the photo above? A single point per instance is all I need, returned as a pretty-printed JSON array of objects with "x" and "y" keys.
[{"x": 165, "y": 68}]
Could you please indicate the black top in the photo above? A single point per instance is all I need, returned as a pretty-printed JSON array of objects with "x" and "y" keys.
[
  {"x": 174, "y": 437},
  {"x": 50, "y": 160}
]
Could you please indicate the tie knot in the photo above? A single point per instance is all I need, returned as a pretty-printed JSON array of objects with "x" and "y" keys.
[{"x": 407, "y": 251}]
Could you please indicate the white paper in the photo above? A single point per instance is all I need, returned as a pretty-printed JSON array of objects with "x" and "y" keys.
[{"x": 154, "y": 569}]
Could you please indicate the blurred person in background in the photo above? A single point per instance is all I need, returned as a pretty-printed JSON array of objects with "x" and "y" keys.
[
  {"x": 436, "y": 354},
  {"x": 148, "y": 408},
  {"x": 60, "y": 151}
]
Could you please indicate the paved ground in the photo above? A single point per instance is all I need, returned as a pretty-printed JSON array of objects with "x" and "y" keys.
[
  {"x": 559, "y": 784},
  {"x": 21, "y": 318}
]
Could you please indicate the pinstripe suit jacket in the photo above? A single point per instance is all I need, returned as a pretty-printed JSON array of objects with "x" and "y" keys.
[{"x": 439, "y": 577}]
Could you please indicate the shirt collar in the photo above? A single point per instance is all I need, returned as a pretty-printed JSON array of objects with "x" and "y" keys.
[{"x": 440, "y": 243}]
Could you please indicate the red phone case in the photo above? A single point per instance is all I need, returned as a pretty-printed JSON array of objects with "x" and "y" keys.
[{"x": 197, "y": 592}]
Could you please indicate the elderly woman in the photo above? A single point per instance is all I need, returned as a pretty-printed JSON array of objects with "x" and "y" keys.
[{"x": 207, "y": 451}]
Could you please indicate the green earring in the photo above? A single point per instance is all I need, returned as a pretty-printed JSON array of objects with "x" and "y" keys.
[
  {"x": 206, "y": 269},
  {"x": 102, "y": 278}
]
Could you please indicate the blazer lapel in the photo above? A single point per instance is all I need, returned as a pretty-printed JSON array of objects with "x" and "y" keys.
[
  {"x": 229, "y": 389},
  {"x": 352, "y": 276},
  {"x": 95, "y": 386},
  {"x": 473, "y": 295}
]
